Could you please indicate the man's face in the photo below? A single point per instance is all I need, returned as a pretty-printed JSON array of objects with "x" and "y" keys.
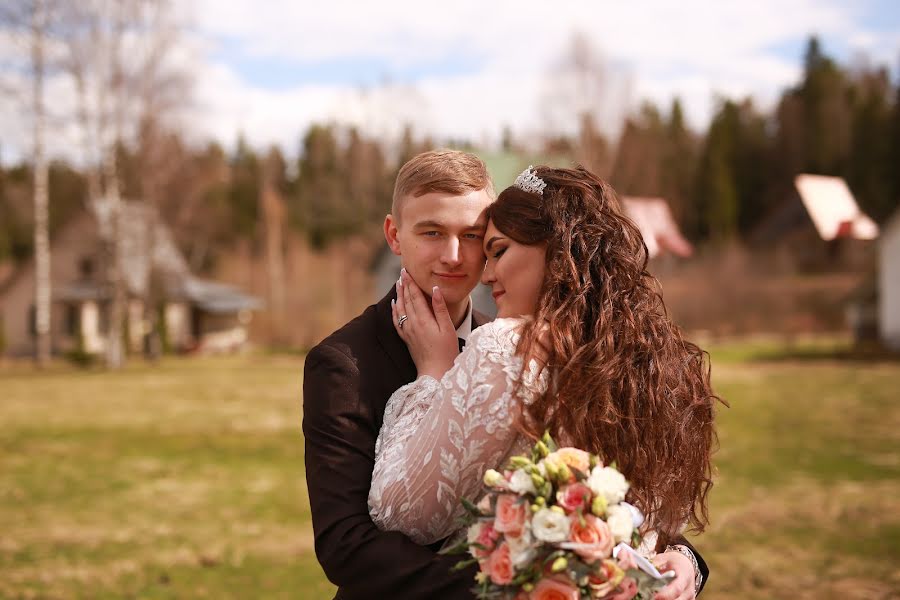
[{"x": 439, "y": 241}]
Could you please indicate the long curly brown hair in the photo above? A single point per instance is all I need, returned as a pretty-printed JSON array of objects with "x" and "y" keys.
[{"x": 624, "y": 383}]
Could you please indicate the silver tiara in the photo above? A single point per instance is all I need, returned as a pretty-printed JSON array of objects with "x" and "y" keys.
[{"x": 528, "y": 181}]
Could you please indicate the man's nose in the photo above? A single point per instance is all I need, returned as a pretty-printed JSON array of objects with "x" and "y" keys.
[{"x": 451, "y": 255}]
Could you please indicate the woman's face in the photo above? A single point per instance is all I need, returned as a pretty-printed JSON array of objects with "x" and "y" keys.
[{"x": 514, "y": 271}]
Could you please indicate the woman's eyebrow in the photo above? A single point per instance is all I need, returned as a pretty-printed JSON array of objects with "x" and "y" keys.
[{"x": 491, "y": 241}]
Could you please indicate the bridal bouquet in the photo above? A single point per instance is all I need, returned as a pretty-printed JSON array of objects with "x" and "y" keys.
[{"x": 555, "y": 526}]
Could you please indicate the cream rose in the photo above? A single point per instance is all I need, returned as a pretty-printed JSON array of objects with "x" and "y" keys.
[
  {"x": 609, "y": 483},
  {"x": 550, "y": 526},
  {"x": 572, "y": 458},
  {"x": 521, "y": 483},
  {"x": 621, "y": 522},
  {"x": 522, "y": 549}
]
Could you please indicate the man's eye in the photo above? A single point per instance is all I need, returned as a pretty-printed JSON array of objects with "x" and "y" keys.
[
  {"x": 472, "y": 236},
  {"x": 431, "y": 233}
]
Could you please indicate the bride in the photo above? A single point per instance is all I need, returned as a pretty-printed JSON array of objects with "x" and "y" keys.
[{"x": 581, "y": 347}]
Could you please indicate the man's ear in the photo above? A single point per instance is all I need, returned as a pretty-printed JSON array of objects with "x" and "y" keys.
[{"x": 390, "y": 234}]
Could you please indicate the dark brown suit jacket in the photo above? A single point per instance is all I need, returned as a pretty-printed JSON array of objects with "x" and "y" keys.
[{"x": 347, "y": 381}]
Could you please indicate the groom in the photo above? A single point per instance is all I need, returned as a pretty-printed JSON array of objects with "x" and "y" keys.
[{"x": 436, "y": 226}]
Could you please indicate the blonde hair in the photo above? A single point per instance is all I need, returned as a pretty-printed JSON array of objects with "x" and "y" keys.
[{"x": 448, "y": 171}]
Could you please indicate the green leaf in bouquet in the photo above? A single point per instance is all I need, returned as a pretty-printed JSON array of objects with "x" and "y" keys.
[
  {"x": 522, "y": 578},
  {"x": 463, "y": 564},
  {"x": 470, "y": 508},
  {"x": 579, "y": 475},
  {"x": 460, "y": 547},
  {"x": 636, "y": 539},
  {"x": 553, "y": 556}
]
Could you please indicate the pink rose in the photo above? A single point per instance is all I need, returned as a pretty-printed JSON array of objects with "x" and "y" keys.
[
  {"x": 510, "y": 515},
  {"x": 501, "y": 568},
  {"x": 487, "y": 537},
  {"x": 554, "y": 589},
  {"x": 596, "y": 536},
  {"x": 605, "y": 579},
  {"x": 626, "y": 591},
  {"x": 574, "y": 496}
]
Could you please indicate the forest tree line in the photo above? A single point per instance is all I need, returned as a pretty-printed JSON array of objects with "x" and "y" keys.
[{"x": 722, "y": 183}]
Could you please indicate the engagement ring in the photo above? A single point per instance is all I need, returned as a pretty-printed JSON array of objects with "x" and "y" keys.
[{"x": 401, "y": 320}]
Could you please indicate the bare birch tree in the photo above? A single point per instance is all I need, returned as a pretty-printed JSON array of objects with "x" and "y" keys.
[
  {"x": 587, "y": 97},
  {"x": 31, "y": 19},
  {"x": 42, "y": 292},
  {"x": 125, "y": 86}
]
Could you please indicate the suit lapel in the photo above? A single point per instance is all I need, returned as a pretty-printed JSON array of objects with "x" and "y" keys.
[{"x": 393, "y": 346}]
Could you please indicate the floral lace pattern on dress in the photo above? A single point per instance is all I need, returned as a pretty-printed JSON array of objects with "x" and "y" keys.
[{"x": 438, "y": 437}]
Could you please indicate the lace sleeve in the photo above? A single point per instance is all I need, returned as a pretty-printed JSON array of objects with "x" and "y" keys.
[{"x": 439, "y": 437}]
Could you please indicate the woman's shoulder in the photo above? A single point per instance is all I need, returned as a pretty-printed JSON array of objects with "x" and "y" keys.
[{"x": 500, "y": 334}]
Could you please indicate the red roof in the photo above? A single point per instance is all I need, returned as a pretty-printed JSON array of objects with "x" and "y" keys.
[
  {"x": 659, "y": 229},
  {"x": 833, "y": 209}
]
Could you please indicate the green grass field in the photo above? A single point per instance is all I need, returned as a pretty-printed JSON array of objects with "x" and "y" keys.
[{"x": 186, "y": 480}]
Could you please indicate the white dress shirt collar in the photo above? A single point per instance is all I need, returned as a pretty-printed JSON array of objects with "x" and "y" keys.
[{"x": 465, "y": 328}]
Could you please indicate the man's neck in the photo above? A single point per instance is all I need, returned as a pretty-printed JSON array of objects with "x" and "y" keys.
[{"x": 458, "y": 312}]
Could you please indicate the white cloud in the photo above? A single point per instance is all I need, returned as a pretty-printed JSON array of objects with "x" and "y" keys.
[{"x": 692, "y": 49}]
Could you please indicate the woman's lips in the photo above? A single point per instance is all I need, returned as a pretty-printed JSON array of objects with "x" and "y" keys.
[{"x": 496, "y": 295}]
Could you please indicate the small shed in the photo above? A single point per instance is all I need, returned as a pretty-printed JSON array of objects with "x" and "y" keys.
[{"x": 195, "y": 314}]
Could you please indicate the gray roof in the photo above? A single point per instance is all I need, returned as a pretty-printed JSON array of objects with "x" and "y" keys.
[{"x": 217, "y": 297}]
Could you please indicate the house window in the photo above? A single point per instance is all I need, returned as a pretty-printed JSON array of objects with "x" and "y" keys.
[{"x": 86, "y": 267}]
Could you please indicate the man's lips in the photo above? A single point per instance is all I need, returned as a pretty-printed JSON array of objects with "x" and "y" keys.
[{"x": 451, "y": 275}]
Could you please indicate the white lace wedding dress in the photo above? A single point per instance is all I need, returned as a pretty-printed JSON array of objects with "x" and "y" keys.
[{"x": 439, "y": 437}]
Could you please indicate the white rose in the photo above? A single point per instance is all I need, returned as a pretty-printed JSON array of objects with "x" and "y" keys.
[
  {"x": 522, "y": 549},
  {"x": 609, "y": 483},
  {"x": 621, "y": 522},
  {"x": 550, "y": 526},
  {"x": 521, "y": 483}
]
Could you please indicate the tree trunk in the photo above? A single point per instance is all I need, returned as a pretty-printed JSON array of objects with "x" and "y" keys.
[{"x": 41, "y": 237}]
